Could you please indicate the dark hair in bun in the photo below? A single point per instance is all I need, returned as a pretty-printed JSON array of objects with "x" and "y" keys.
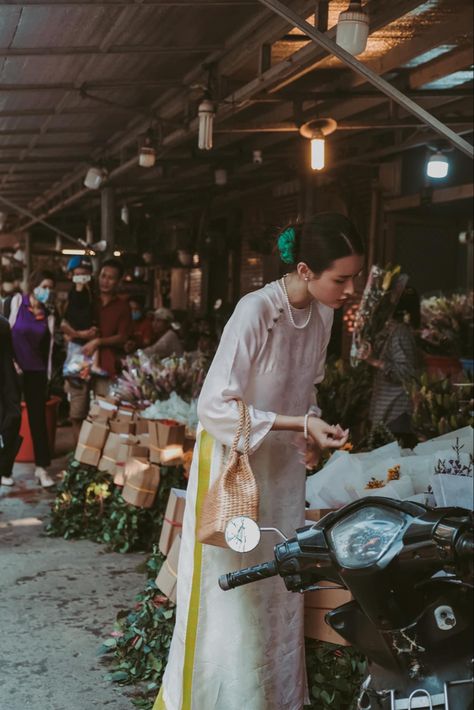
[{"x": 319, "y": 241}]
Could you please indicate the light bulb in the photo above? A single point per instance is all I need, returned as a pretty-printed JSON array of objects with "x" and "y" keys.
[
  {"x": 317, "y": 153},
  {"x": 125, "y": 214},
  {"x": 95, "y": 177},
  {"x": 206, "y": 122},
  {"x": 437, "y": 166},
  {"x": 353, "y": 29},
  {"x": 147, "y": 156}
]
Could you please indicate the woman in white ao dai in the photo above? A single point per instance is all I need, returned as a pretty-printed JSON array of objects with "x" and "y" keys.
[{"x": 244, "y": 650}]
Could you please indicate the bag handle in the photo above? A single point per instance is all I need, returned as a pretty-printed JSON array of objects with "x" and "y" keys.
[{"x": 242, "y": 428}]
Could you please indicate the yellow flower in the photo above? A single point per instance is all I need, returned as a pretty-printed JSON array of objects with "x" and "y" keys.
[
  {"x": 388, "y": 278},
  {"x": 393, "y": 473},
  {"x": 374, "y": 483},
  {"x": 97, "y": 491}
]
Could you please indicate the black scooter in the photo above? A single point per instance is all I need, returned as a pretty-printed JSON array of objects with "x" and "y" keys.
[{"x": 409, "y": 569}]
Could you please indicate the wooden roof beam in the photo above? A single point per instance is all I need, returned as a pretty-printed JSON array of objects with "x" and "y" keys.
[{"x": 114, "y": 49}]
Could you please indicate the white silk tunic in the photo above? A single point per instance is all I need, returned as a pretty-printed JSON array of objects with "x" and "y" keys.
[{"x": 244, "y": 649}]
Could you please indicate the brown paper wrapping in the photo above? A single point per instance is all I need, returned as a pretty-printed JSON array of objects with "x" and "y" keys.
[
  {"x": 316, "y": 606},
  {"x": 317, "y": 514},
  {"x": 122, "y": 426},
  {"x": 102, "y": 410},
  {"x": 112, "y": 445},
  {"x": 173, "y": 519},
  {"x": 142, "y": 426},
  {"x": 142, "y": 480},
  {"x": 93, "y": 434},
  {"x": 163, "y": 435},
  {"x": 107, "y": 464},
  {"x": 168, "y": 574},
  {"x": 170, "y": 456},
  {"x": 87, "y": 454}
]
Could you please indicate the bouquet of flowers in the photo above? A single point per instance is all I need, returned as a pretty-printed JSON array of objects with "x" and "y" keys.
[
  {"x": 381, "y": 294},
  {"x": 145, "y": 380},
  {"x": 446, "y": 324}
]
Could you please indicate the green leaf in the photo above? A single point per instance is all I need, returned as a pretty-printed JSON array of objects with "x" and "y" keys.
[{"x": 118, "y": 676}]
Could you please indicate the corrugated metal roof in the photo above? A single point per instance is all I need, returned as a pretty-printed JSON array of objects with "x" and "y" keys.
[{"x": 138, "y": 59}]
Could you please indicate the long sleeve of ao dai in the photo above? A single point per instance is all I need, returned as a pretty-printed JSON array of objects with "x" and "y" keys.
[{"x": 264, "y": 361}]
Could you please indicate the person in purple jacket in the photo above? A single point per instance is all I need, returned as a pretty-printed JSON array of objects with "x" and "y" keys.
[{"x": 32, "y": 326}]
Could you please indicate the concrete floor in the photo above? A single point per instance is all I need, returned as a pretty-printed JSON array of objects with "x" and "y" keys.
[{"x": 58, "y": 601}]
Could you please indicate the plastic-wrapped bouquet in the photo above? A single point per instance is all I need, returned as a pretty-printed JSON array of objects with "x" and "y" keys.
[
  {"x": 452, "y": 483},
  {"x": 381, "y": 294},
  {"x": 175, "y": 409},
  {"x": 145, "y": 380},
  {"x": 447, "y": 324}
]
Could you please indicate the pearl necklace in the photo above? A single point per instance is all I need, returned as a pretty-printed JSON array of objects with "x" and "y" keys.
[{"x": 290, "y": 314}]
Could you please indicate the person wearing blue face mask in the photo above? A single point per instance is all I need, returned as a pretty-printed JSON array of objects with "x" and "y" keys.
[{"x": 32, "y": 325}]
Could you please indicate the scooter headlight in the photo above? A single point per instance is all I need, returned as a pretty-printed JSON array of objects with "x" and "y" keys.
[{"x": 362, "y": 538}]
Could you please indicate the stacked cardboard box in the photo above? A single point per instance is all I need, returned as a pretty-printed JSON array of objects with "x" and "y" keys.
[
  {"x": 166, "y": 440},
  {"x": 91, "y": 441},
  {"x": 117, "y": 440},
  {"x": 173, "y": 520},
  {"x": 168, "y": 575},
  {"x": 141, "y": 482}
]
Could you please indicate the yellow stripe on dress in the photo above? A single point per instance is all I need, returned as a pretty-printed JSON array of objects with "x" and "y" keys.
[
  {"x": 205, "y": 457},
  {"x": 206, "y": 445},
  {"x": 159, "y": 702}
]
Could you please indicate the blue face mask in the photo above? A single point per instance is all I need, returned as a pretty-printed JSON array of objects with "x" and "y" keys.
[
  {"x": 42, "y": 294},
  {"x": 137, "y": 315}
]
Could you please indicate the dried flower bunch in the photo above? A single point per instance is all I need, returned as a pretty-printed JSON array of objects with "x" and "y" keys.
[
  {"x": 145, "y": 380},
  {"x": 446, "y": 324},
  {"x": 455, "y": 466}
]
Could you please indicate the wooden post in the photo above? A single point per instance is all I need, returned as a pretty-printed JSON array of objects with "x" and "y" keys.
[{"x": 107, "y": 207}]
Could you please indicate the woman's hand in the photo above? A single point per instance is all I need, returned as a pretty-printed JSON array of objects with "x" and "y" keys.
[
  {"x": 326, "y": 436},
  {"x": 90, "y": 347}
]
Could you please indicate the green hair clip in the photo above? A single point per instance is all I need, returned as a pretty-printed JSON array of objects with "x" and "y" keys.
[{"x": 286, "y": 245}]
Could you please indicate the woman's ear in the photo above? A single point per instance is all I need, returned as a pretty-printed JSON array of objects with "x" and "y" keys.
[{"x": 304, "y": 272}]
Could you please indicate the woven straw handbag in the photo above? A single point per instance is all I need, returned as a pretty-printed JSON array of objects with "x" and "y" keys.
[{"x": 234, "y": 493}]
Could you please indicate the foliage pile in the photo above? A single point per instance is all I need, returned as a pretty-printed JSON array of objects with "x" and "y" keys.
[{"x": 88, "y": 505}]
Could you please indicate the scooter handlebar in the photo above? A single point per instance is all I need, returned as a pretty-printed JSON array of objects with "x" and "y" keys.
[
  {"x": 247, "y": 575},
  {"x": 465, "y": 545}
]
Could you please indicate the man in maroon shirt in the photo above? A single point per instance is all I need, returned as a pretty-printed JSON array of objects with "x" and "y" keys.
[{"x": 115, "y": 324}]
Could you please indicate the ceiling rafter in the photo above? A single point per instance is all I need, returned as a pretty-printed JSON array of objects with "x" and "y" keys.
[
  {"x": 131, "y": 3},
  {"x": 251, "y": 35},
  {"x": 237, "y": 101},
  {"x": 115, "y": 49},
  {"x": 184, "y": 135}
]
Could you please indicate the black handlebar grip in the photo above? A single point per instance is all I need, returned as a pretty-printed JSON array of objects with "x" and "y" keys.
[
  {"x": 247, "y": 575},
  {"x": 465, "y": 545}
]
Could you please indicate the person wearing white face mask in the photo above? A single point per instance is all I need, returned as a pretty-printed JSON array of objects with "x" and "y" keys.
[{"x": 32, "y": 327}]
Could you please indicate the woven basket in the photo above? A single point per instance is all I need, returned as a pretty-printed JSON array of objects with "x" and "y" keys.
[{"x": 234, "y": 493}]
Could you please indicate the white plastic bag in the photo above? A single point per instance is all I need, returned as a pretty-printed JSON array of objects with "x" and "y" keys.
[{"x": 77, "y": 365}]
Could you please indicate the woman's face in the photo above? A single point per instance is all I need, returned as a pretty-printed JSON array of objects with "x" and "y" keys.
[
  {"x": 336, "y": 284},
  {"x": 47, "y": 283}
]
